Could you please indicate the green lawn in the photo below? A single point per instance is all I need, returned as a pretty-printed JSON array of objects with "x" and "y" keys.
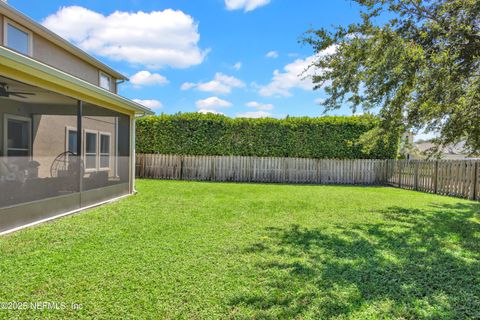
[{"x": 214, "y": 251}]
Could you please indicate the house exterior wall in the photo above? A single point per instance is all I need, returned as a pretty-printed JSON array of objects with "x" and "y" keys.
[
  {"x": 27, "y": 197},
  {"x": 53, "y": 55},
  {"x": 50, "y": 137},
  {"x": 56, "y": 68},
  {"x": 49, "y": 133}
]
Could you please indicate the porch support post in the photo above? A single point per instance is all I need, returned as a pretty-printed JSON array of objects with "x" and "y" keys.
[
  {"x": 79, "y": 127},
  {"x": 79, "y": 143},
  {"x": 132, "y": 154}
]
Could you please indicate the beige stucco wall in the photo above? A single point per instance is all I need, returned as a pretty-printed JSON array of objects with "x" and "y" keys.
[
  {"x": 49, "y": 132},
  {"x": 50, "y": 137},
  {"x": 53, "y": 55}
]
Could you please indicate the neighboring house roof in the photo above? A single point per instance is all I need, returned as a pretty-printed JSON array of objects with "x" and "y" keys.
[
  {"x": 28, "y": 70},
  {"x": 451, "y": 149},
  {"x": 37, "y": 28},
  {"x": 424, "y": 146}
]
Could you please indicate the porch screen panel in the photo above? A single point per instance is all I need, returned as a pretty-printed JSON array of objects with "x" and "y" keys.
[
  {"x": 107, "y": 148},
  {"x": 37, "y": 161}
]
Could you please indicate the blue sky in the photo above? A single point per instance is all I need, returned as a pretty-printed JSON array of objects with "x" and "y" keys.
[{"x": 237, "y": 57}]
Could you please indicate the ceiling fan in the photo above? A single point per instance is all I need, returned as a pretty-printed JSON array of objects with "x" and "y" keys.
[{"x": 6, "y": 94}]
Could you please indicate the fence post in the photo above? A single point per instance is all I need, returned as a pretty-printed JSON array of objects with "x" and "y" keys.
[
  {"x": 415, "y": 178},
  {"x": 475, "y": 180},
  {"x": 142, "y": 167},
  {"x": 181, "y": 167},
  {"x": 212, "y": 169},
  {"x": 386, "y": 172},
  {"x": 400, "y": 174},
  {"x": 435, "y": 178}
]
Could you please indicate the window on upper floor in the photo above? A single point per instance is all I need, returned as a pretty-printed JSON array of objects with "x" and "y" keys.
[
  {"x": 17, "y": 38},
  {"x": 105, "y": 81}
]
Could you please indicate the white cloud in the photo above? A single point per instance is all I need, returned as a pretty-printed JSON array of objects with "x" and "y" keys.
[
  {"x": 294, "y": 75},
  {"x": 187, "y": 85},
  {"x": 272, "y": 54},
  {"x": 221, "y": 84},
  {"x": 237, "y": 66},
  {"x": 145, "y": 78},
  {"x": 245, "y": 5},
  {"x": 291, "y": 77},
  {"x": 425, "y": 136},
  {"x": 153, "y": 39},
  {"x": 205, "y": 111},
  {"x": 152, "y": 104},
  {"x": 254, "y": 114},
  {"x": 319, "y": 101},
  {"x": 260, "y": 106},
  {"x": 213, "y": 103}
]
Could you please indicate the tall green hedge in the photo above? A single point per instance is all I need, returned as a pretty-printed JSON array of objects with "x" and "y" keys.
[{"x": 200, "y": 134}]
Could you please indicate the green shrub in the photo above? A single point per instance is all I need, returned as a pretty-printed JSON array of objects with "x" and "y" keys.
[{"x": 209, "y": 134}]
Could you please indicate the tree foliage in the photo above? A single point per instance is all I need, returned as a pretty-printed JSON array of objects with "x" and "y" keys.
[
  {"x": 199, "y": 134},
  {"x": 418, "y": 61}
]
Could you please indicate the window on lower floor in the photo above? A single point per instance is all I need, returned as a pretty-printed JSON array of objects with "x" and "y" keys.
[
  {"x": 72, "y": 141},
  {"x": 104, "y": 151},
  {"x": 17, "y": 139},
  {"x": 90, "y": 150}
]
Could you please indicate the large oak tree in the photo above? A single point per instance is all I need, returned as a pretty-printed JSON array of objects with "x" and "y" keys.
[{"x": 418, "y": 61}]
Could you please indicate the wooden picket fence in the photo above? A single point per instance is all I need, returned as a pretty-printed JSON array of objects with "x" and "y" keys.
[
  {"x": 453, "y": 178},
  {"x": 258, "y": 169},
  {"x": 459, "y": 178}
]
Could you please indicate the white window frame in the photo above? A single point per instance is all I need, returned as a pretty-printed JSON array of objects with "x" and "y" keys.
[
  {"x": 7, "y": 22},
  {"x": 100, "y": 154},
  {"x": 67, "y": 131},
  {"x": 67, "y": 140},
  {"x": 5, "y": 132},
  {"x": 110, "y": 79},
  {"x": 85, "y": 131}
]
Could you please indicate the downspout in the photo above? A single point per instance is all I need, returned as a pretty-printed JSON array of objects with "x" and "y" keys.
[
  {"x": 117, "y": 83},
  {"x": 134, "y": 153}
]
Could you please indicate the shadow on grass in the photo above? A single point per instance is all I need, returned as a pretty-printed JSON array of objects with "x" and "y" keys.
[{"x": 414, "y": 265}]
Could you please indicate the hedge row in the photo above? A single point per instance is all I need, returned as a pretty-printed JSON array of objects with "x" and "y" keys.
[{"x": 199, "y": 134}]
